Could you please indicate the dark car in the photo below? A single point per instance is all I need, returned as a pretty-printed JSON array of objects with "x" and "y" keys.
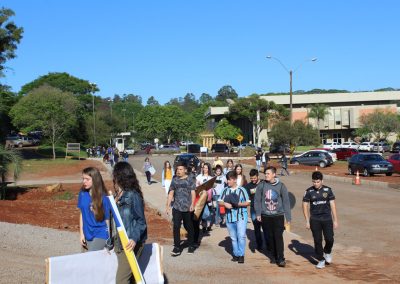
[
  {"x": 395, "y": 161},
  {"x": 345, "y": 153},
  {"x": 279, "y": 149},
  {"x": 313, "y": 158},
  {"x": 396, "y": 147},
  {"x": 369, "y": 164},
  {"x": 193, "y": 148},
  {"x": 223, "y": 148},
  {"x": 188, "y": 159},
  {"x": 169, "y": 148}
]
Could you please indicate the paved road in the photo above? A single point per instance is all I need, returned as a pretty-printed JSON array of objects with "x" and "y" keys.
[{"x": 369, "y": 223}]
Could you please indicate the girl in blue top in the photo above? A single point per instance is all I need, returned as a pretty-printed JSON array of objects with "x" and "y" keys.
[{"x": 95, "y": 210}]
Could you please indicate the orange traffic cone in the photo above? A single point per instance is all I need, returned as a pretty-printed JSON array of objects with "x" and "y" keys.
[{"x": 357, "y": 180}]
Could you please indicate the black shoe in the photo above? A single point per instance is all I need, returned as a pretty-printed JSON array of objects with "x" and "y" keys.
[
  {"x": 209, "y": 229},
  {"x": 176, "y": 251},
  {"x": 191, "y": 250},
  {"x": 241, "y": 259},
  {"x": 259, "y": 247},
  {"x": 204, "y": 229},
  {"x": 282, "y": 263},
  {"x": 235, "y": 258},
  {"x": 272, "y": 261}
]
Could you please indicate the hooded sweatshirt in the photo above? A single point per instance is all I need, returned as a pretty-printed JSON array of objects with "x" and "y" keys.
[{"x": 272, "y": 199}]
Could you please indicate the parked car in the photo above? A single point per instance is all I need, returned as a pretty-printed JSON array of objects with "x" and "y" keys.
[
  {"x": 169, "y": 148},
  {"x": 332, "y": 145},
  {"x": 279, "y": 149},
  {"x": 396, "y": 147},
  {"x": 331, "y": 152},
  {"x": 369, "y": 164},
  {"x": 345, "y": 153},
  {"x": 188, "y": 160},
  {"x": 319, "y": 158},
  {"x": 366, "y": 146},
  {"x": 130, "y": 150},
  {"x": 193, "y": 148},
  {"x": 244, "y": 145},
  {"x": 184, "y": 143},
  {"x": 382, "y": 147},
  {"x": 19, "y": 141},
  {"x": 350, "y": 144},
  {"x": 219, "y": 148},
  {"x": 144, "y": 145},
  {"x": 395, "y": 161}
]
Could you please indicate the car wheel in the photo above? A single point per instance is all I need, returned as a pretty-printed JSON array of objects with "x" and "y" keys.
[
  {"x": 322, "y": 164},
  {"x": 296, "y": 163},
  {"x": 350, "y": 171},
  {"x": 366, "y": 173},
  {"x": 389, "y": 174}
]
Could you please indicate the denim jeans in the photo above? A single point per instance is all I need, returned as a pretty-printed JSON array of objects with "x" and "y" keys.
[
  {"x": 237, "y": 232},
  {"x": 258, "y": 164},
  {"x": 217, "y": 219},
  {"x": 257, "y": 229}
]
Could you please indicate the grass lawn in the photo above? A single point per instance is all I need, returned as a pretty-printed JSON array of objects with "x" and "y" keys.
[{"x": 47, "y": 151}]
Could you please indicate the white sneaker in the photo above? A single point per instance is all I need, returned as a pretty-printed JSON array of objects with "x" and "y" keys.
[
  {"x": 328, "y": 257},
  {"x": 321, "y": 264}
]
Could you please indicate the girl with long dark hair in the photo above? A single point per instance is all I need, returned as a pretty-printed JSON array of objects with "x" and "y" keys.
[
  {"x": 95, "y": 210},
  {"x": 130, "y": 203},
  {"x": 167, "y": 175}
]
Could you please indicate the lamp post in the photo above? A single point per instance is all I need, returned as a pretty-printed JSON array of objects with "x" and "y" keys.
[
  {"x": 93, "y": 90},
  {"x": 290, "y": 76}
]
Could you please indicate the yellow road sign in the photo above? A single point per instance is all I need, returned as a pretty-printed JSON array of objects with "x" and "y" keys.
[{"x": 239, "y": 138}]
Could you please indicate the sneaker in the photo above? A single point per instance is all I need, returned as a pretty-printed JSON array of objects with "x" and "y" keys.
[
  {"x": 209, "y": 229},
  {"x": 241, "y": 259},
  {"x": 321, "y": 264},
  {"x": 282, "y": 263},
  {"x": 235, "y": 258},
  {"x": 328, "y": 257},
  {"x": 190, "y": 250},
  {"x": 176, "y": 251}
]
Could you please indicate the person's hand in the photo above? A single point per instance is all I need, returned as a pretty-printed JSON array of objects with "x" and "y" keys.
[
  {"x": 130, "y": 246},
  {"x": 259, "y": 218},
  {"x": 167, "y": 210},
  {"x": 335, "y": 224},
  {"x": 228, "y": 205},
  {"x": 308, "y": 225},
  {"x": 191, "y": 209},
  {"x": 83, "y": 241}
]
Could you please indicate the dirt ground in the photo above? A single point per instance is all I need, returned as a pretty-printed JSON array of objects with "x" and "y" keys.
[{"x": 35, "y": 206}]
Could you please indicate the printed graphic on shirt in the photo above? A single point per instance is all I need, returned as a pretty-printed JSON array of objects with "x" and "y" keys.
[{"x": 271, "y": 200}]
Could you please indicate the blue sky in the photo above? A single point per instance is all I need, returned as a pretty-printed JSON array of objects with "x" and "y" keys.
[{"x": 166, "y": 49}]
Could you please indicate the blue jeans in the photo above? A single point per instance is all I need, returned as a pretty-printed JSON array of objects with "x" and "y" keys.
[
  {"x": 257, "y": 229},
  {"x": 258, "y": 164},
  {"x": 237, "y": 232},
  {"x": 217, "y": 219}
]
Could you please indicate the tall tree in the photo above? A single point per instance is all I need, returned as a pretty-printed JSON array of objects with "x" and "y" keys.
[
  {"x": 7, "y": 100},
  {"x": 152, "y": 101},
  {"x": 189, "y": 102},
  {"x": 225, "y": 130},
  {"x": 10, "y": 36},
  {"x": 205, "y": 98},
  {"x": 9, "y": 157},
  {"x": 318, "y": 112},
  {"x": 48, "y": 109},
  {"x": 226, "y": 92}
]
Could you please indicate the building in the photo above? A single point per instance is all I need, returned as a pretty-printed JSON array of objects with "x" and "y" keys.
[{"x": 345, "y": 110}]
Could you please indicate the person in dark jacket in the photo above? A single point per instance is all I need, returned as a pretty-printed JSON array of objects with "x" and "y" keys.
[
  {"x": 130, "y": 203},
  {"x": 272, "y": 206}
]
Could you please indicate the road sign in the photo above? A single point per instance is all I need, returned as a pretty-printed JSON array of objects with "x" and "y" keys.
[{"x": 239, "y": 138}]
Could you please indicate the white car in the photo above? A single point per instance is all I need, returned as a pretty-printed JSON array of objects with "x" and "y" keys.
[
  {"x": 366, "y": 146},
  {"x": 130, "y": 151},
  {"x": 332, "y": 145},
  {"x": 352, "y": 145}
]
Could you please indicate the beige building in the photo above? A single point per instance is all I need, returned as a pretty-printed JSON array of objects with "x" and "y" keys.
[{"x": 345, "y": 110}]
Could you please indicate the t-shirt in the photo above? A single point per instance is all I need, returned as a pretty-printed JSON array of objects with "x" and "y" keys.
[
  {"x": 91, "y": 227},
  {"x": 320, "y": 207},
  {"x": 251, "y": 191},
  {"x": 168, "y": 174},
  {"x": 219, "y": 183},
  {"x": 200, "y": 179},
  {"x": 182, "y": 188},
  {"x": 235, "y": 214}
]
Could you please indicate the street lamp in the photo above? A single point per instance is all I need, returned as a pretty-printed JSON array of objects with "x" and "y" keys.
[
  {"x": 290, "y": 75},
  {"x": 93, "y": 90}
]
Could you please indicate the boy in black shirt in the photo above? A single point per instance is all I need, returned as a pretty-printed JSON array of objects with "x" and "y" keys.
[{"x": 319, "y": 210}]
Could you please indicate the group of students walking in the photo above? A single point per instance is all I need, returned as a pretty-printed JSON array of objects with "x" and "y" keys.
[{"x": 270, "y": 211}]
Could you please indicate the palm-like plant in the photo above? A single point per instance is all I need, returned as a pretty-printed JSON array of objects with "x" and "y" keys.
[
  {"x": 9, "y": 157},
  {"x": 318, "y": 111}
]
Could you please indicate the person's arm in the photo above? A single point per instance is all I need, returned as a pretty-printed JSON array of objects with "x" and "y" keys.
[
  {"x": 193, "y": 193},
  {"x": 246, "y": 202},
  {"x": 169, "y": 200},
  {"x": 257, "y": 200},
  {"x": 334, "y": 214},
  {"x": 81, "y": 234},
  {"x": 286, "y": 204},
  {"x": 306, "y": 213},
  {"x": 136, "y": 229}
]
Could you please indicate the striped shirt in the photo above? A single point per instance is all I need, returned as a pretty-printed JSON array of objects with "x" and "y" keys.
[{"x": 235, "y": 214}]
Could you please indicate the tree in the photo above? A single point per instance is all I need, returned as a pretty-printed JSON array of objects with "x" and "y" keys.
[
  {"x": 226, "y": 92},
  {"x": 380, "y": 123},
  {"x": 205, "y": 98},
  {"x": 10, "y": 36},
  {"x": 256, "y": 109},
  {"x": 7, "y": 100},
  {"x": 152, "y": 101},
  {"x": 189, "y": 102},
  {"x": 48, "y": 109},
  {"x": 318, "y": 112},
  {"x": 9, "y": 157},
  {"x": 226, "y": 131}
]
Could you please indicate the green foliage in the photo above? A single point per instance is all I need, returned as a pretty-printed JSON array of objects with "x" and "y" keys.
[
  {"x": 225, "y": 130},
  {"x": 10, "y": 36},
  {"x": 66, "y": 195},
  {"x": 318, "y": 111},
  {"x": 205, "y": 98},
  {"x": 380, "y": 123},
  {"x": 226, "y": 92},
  {"x": 152, "y": 101},
  {"x": 48, "y": 109},
  {"x": 9, "y": 157},
  {"x": 7, "y": 100}
]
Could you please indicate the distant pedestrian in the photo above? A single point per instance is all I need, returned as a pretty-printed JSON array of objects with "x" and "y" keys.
[
  {"x": 284, "y": 165},
  {"x": 166, "y": 176},
  {"x": 147, "y": 167},
  {"x": 229, "y": 166},
  {"x": 116, "y": 155},
  {"x": 240, "y": 177},
  {"x": 319, "y": 209},
  {"x": 125, "y": 155},
  {"x": 219, "y": 186},
  {"x": 258, "y": 160},
  {"x": 265, "y": 160},
  {"x": 206, "y": 175},
  {"x": 94, "y": 208},
  {"x": 217, "y": 161}
]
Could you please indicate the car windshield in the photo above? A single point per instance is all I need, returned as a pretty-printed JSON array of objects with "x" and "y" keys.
[{"x": 373, "y": 158}]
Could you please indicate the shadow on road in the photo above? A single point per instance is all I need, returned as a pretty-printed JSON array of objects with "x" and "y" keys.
[
  {"x": 227, "y": 244},
  {"x": 304, "y": 250}
]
